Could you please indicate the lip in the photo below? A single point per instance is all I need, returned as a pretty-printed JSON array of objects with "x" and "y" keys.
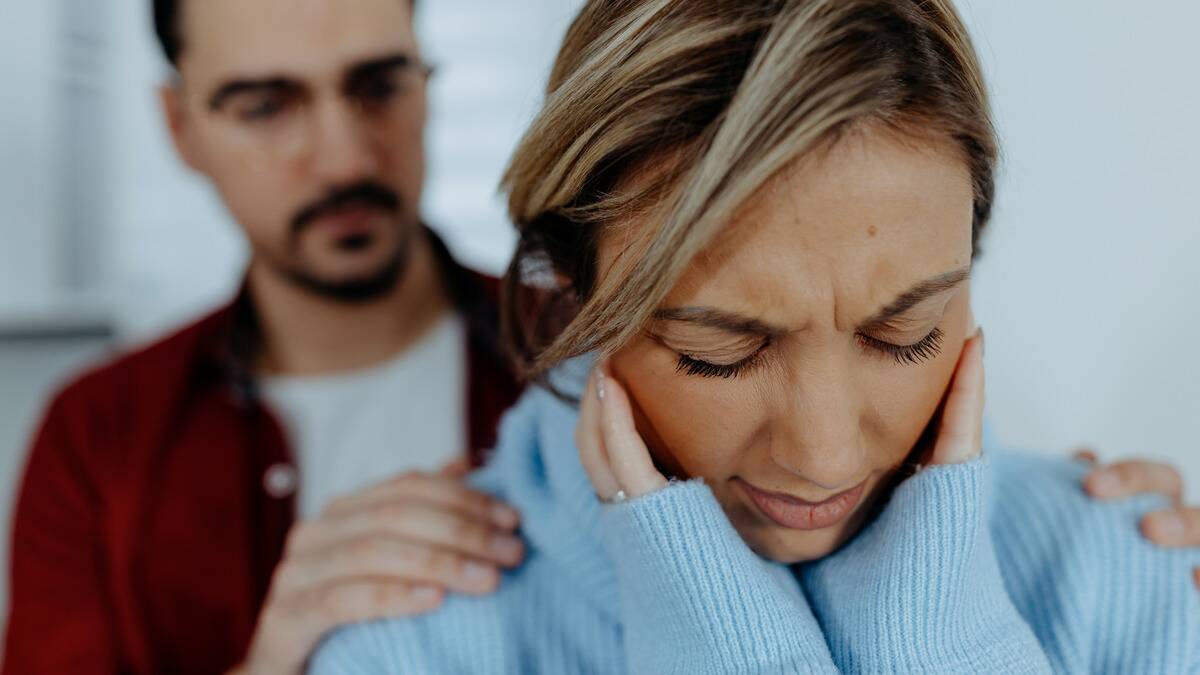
[
  {"x": 800, "y": 514},
  {"x": 349, "y": 220}
]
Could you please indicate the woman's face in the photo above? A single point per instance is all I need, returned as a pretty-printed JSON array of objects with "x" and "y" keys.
[{"x": 797, "y": 363}]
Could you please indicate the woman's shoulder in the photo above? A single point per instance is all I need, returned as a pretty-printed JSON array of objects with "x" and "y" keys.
[
  {"x": 1079, "y": 570},
  {"x": 1038, "y": 504},
  {"x": 534, "y": 620},
  {"x": 1040, "y": 491},
  {"x": 467, "y": 634}
]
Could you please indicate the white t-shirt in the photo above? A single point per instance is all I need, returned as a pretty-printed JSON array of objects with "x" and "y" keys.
[{"x": 350, "y": 431}]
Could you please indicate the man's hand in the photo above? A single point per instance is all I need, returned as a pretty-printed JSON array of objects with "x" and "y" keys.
[
  {"x": 1177, "y": 527},
  {"x": 392, "y": 550}
]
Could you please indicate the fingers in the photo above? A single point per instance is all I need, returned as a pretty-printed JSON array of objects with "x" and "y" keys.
[
  {"x": 960, "y": 434},
  {"x": 1136, "y": 477},
  {"x": 391, "y": 559},
  {"x": 456, "y": 469},
  {"x": 438, "y": 527},
  {"x": 364, "y": 599},
  {"x": 1086, "y": 456},
  {"x": 629, "y": 458},
  {"x": 442, "y": 490},
  {"x": 1176, "y": 528},
  {"x": 419, "y": 523},
  {"x": 591, "y": 444}
]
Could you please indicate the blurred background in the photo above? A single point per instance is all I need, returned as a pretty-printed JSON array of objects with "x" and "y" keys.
[{"x": 1089, "y": 288}]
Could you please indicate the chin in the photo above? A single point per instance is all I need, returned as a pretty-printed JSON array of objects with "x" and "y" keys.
[{"x": 794, "y": 548}]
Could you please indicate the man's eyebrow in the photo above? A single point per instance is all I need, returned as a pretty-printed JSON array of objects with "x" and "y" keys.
[
  {"x": 383, "y": 63},
  {"x": 233, "y": 87},
  {"x": 736, "y": 323},
  {"x": 915, "y": 295}
]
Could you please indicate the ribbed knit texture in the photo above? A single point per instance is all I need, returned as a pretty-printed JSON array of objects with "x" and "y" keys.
[{"x": 997, "y": 566}]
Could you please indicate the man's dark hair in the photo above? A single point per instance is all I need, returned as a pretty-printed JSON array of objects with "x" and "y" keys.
[{"x": 166, "y": 26}]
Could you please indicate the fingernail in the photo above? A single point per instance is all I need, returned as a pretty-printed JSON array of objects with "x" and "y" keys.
[
  {"x": 505, "y": 516},
  {"x": 425, "y": 593},
  {"x": 507, "y": 548},
  {"x": 1169, "y": 525},
  {"x": 1105, "y": 482},
  {"x": 600, "y": 382},
  {"x": 477, "y": 572}
]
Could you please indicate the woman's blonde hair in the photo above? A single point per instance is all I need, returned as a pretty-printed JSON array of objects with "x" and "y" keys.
[{"x": 712, "y": 98}]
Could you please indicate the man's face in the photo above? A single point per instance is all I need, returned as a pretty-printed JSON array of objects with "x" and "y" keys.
[{"x": 308, "y": 117}]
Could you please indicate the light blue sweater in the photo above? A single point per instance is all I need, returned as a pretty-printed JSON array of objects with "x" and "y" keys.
[{"x": 997, "y": 566}]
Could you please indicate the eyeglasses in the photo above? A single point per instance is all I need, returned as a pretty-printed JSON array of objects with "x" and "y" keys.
[{"x": 280, "y": 119}]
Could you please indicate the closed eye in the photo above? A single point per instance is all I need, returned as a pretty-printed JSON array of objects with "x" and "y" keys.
[{"x": 924, "y": 349}]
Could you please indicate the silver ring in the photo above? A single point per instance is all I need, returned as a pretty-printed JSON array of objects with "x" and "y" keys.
[{"x": 618, "y": 497}]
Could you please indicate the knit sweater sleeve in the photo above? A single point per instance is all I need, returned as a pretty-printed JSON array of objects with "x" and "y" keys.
[
  {"x": 695, "y": 599},
  {"x": 920, "y": 590}
]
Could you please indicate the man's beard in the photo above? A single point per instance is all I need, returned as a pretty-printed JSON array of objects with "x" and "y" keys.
[
  {"x": 366, "y": 288},
  {"x": 361, "y": 290}
]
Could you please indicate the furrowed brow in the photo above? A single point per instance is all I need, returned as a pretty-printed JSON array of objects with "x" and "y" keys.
[
  {"x": 917, "y": 294},
  {"x": 719, "y": 319}
]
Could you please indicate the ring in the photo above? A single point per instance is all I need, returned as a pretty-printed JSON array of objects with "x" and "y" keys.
[{"x": 617, "y": 497}]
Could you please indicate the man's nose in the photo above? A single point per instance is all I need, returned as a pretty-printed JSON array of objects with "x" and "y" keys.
[{"x": 343, "y": 149}]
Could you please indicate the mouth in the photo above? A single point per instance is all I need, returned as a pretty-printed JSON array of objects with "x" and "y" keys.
[
  {"x": 349, "y": 220},
  {"x": 800, "y": 514}
]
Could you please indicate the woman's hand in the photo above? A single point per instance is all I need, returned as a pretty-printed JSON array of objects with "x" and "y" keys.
[
  {"x": 959, "y": 437},
  {"x": 613, "y": 453},
  {"x": 1177, "y": 527}
]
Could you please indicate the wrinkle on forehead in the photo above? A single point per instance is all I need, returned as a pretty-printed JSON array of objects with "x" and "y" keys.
[{"x": 801, "y": 252}]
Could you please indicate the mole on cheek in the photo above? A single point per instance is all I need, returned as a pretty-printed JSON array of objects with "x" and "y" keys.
[{"x": 872, "y": 231}]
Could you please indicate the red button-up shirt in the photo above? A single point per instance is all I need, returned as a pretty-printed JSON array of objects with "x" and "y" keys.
[{"x": 154, "y": 509}]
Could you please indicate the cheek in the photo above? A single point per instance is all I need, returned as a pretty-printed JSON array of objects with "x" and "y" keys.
[
  {"x": 905, "y": 398},
  {"x": 695, "y": 427},
  {"x": 242, "y": 180},
  {"x": 904, "y": 403}
]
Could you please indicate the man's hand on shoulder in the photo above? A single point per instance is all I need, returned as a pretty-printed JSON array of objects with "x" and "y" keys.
[
  {"x": 1176, "y": 527},
  {"x": 389, "y": 551}
]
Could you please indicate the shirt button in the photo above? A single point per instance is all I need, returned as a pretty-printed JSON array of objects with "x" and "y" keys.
[{"x": 280, "y": 481}]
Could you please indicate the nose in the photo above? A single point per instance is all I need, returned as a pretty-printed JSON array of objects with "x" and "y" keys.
[
  {"x": 343, "y": 151},
  {"x": 817, "y": 427}
]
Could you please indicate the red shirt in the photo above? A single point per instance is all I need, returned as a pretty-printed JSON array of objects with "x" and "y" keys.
[{"x": 146, "y": 533}]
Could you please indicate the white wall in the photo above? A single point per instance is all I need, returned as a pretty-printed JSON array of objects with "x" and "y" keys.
[
  {"x": 27, "y": 126},
  {"x": 1090, "y": 288}
]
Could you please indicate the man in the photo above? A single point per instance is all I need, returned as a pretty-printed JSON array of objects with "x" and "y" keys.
[
  {"x": 152, "y": 534},
  {"x": 161, "y": 489}
]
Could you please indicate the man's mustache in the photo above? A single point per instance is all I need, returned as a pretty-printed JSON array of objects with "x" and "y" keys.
[{"x": 364, "y": 194}]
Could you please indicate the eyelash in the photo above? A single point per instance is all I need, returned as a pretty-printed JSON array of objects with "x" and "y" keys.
[
  {"x": 698, "y": 368},
  {"x": 914, "y": 354}
]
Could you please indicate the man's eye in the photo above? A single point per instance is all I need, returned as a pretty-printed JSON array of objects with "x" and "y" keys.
[
  {"x": 376, "y": 91},
  {"x": 262, "y": 109}
]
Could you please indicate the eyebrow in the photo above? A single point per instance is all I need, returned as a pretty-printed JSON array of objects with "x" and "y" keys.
[
  {"x": 375, "y": 66},
  {"x": 356, "y": 72},
  {"x": 735, "y": 323}
]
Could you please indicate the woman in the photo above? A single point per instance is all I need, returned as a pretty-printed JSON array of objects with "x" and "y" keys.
[{"x": 760, "y": 217}]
